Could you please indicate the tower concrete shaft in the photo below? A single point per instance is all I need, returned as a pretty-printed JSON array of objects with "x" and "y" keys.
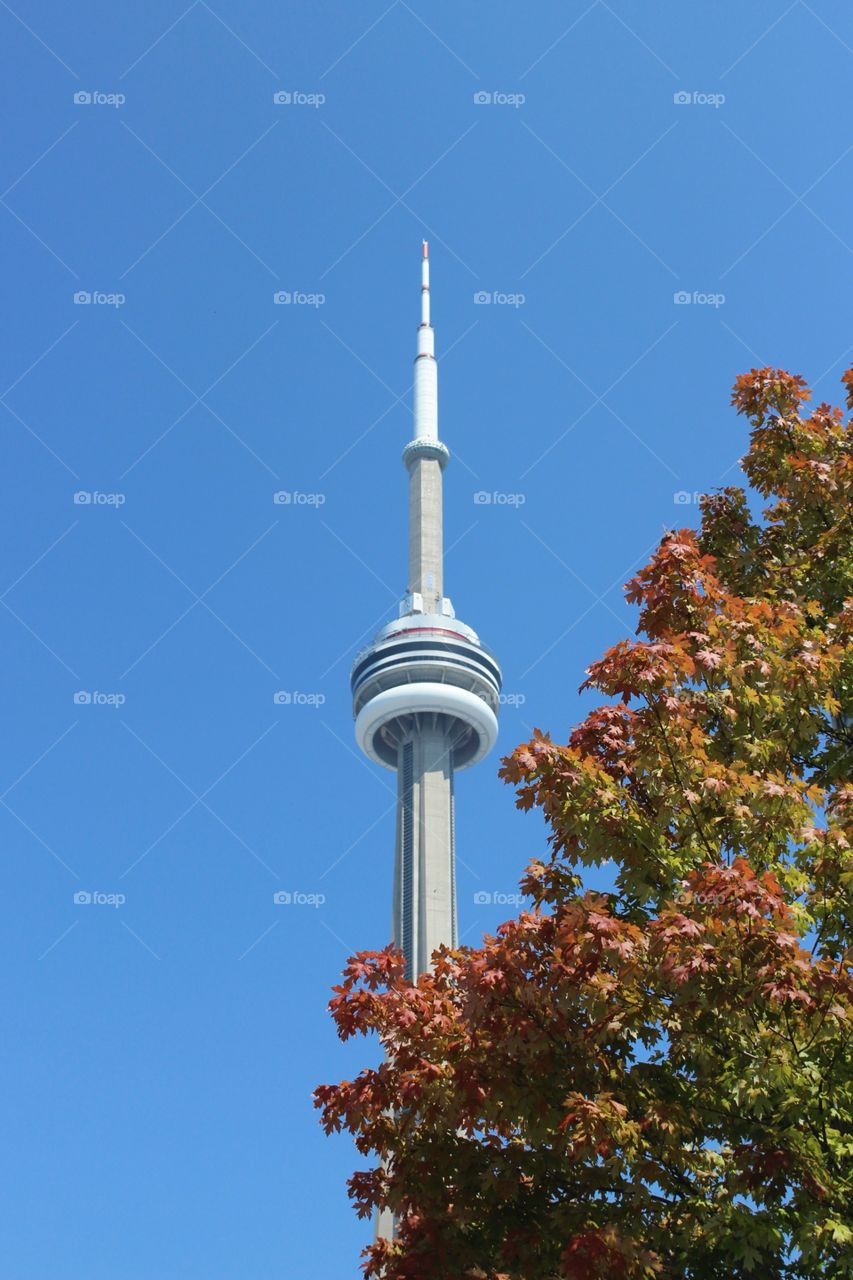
[
  {"x": 426, "y": 557},
  {"x": 424, "y": 907}
]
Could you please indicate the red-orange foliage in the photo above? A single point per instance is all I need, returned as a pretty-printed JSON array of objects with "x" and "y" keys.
[{"x": 655, "y": 1082}]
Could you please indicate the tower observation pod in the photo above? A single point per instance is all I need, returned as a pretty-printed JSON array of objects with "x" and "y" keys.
[{"x": 425, "y": 692}]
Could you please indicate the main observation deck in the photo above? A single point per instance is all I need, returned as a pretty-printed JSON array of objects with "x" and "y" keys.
[{"x": 423, "y": 666}]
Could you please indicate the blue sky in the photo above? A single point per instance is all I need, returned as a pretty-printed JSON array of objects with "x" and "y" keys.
[{"x": 160, "y": 1043}]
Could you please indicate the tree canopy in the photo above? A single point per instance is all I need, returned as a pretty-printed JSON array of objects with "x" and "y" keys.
[{"x": 655, "y": 1081}]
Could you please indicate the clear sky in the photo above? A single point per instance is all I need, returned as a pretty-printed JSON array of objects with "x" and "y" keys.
[{"x": 160, "y": 1042}]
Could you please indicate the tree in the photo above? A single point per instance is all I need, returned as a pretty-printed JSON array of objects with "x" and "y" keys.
[{"x": 657, "y": 1081}]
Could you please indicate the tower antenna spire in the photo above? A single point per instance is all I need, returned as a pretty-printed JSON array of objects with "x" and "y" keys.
[
  {"x": 426, "y": 369},
  {"x": 425, "y": 457},
  {"x": 425, "y": 284}
]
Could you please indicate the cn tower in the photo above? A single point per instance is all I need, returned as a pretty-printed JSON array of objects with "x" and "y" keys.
[{"x": 425, "y": 692}]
